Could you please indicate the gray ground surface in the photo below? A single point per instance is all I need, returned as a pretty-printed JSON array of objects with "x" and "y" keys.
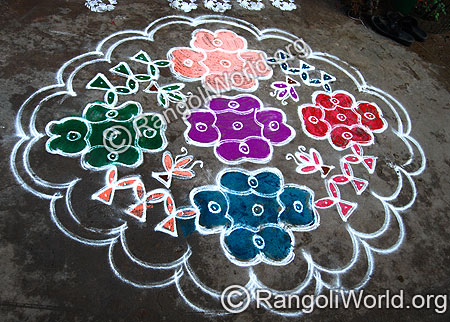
[{"x": 45, "y": 276}]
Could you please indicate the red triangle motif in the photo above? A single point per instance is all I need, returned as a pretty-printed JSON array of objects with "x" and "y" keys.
[
  {"x": 164, "y": 177},
  {"x": 153, "y": 88},
  {"x": 325, "y": 170},
  {"x": 369, "y": 162},
  {"x": 346, "y": 209},
  {"x": 359, "y": 184},
  {"x": 291, "y": 81},
  {"x": 138, "y": 211},
  {"x": 106, "y": 194},
  {"x": 170, "y": 225}
]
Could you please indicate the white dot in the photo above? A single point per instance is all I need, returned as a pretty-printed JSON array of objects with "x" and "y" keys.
[
  {"x": 341, "y": 117},
  {"x": 274, "y": 125},
  {"x": 253, "y": 182},
  {"x": 335, "y": 101},
  {"x": 73, "y": 136},
  {"x": 369, "y": 116},
  {"x": 233, "y": 104},
  {"x": 258, "y": 241},
  {"x": 188, "y": 63},
  {"x": 347, "y": 135},
  {"x": 313, "y": 119},
  {"x": 201, "y": 127},
  {"x": 257, "y": 209},
  {"x": 225, "y": 63},
  {"x": 113, "y": 156},
  {"x": 244, "y": 148},
  {"x": 237, "y": 125},
  {"x": 217, "y": 42},
  {"x": 298, "y": 207},
  {"x": 111, "y": 114},
  {"x": 149, "y": 133},
  {"x": 214, "y": 207}
]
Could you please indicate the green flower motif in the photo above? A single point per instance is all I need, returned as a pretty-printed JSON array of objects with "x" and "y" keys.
[
  {"x": 106, "y": 136},
  {"x": 68, "y": 136}
]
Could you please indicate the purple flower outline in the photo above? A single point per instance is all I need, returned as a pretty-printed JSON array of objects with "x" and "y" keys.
[{"x": 239, "y": 128}]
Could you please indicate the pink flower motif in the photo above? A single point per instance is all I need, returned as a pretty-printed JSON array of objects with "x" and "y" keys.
[
  {"x": 343, "y": 136},
  {"x": 313, "y": 123},
  {"x": 371, "y": 116},
  {"x": 330, "y": 102},
  {"x": 221, "y": 39},
  {"x": 221, "y": 61},
  {"x": 186, "y": 62}
]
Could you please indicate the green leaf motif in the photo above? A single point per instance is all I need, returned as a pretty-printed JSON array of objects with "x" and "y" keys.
[
  {"x": 162, "y": 100},
  {"x": 162, "y": 63},
  {"x": 172, "y": 87}
]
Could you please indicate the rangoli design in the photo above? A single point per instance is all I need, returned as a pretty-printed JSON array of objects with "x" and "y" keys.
[
  {"x": 106, "y": 136},
  {"x": 255, "y": 213},
  {"x": 221, "y": 61},
  {"x": 144, "y": 191},
  {"x": 224, "y": 5},
  {"x": 339, "y": 119},
  {"x": 239, "y": 128}
]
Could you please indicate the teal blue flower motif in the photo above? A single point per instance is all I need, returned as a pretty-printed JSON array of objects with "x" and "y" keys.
[{"x": 255, "y": 214}]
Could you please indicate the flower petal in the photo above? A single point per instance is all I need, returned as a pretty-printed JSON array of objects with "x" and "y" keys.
[
  {"x": 226, "y": 40},
  {"x": 213, "y": 207},
  {"x": 245, "y": 150},
  {"x": 275, "y": 128},
  {"x": 239, "y": 243},
  {"x": 186, "y": 62},
  {"x": 298, "y": 209},
  {"x": 278, "y": 243},
  {"x": 202, "y": 129}
]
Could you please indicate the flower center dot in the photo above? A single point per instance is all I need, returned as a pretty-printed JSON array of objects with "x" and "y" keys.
[
  {"x": 369, "y": 116},
  {"x": 347, "y": 135},
  {"x": 73, "y": 136},
  {"x": 201, "y": 127},
  {"x": 244, "y": 148},
  {"x": 341, "y": 117},
  {"x": 258, "y": 241},
  {"x": 188, "y": 63},
  {"x": 257, "y": 209},
  {"x": 238, "y": 126},
  {"x": 313, "y": 119},
  {"x": 274, "y": 125}
]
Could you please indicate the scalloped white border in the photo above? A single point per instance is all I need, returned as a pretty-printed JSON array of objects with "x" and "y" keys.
[{"x": 28, "y": 135}]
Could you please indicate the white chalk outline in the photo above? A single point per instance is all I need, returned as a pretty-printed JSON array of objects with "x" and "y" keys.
[
  {"x": 218, "y": 141},
  {"x": 52, "y": 191},
  {"x": 204, "y": 52}
]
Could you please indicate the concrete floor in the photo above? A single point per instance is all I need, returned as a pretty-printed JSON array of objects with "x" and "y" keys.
[{"x": 46, "y": 276}]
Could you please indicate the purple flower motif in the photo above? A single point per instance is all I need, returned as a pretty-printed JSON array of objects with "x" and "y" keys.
[
  {"x": 285, "y": 90},
  {"x": 239, "y": 128},
  {"x": 252, "y": 149},
  {"x": 202, "y": 128},
  {"x": 275, "y": 128},
  {"x": 241, "y": 104}
]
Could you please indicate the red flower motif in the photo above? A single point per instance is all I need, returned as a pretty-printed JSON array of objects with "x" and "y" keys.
[
  {"x": 313, "y": 122},
  {"x": 341, "y": 116},
  {"x": 342, "y": 99},
  {"x": 339, "y": 119},
  {"x": 371, "y": 116},
  {"x": 342, "y": 136}
]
